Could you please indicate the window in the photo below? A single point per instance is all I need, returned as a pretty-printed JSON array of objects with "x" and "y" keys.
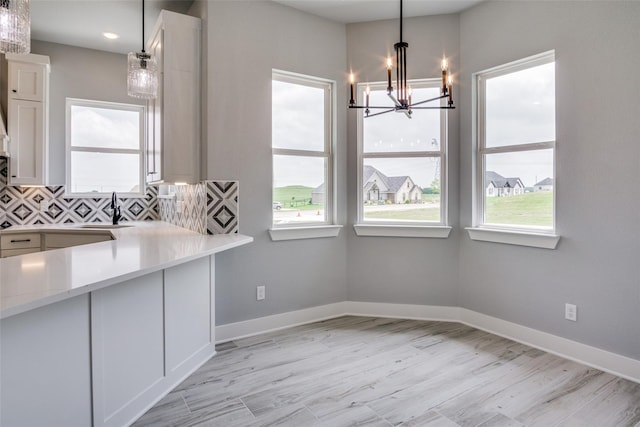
[
  {"x": 104, "y": 148},
  {"x": 302, "y": 136},
  {"x": 516, "y": 146},
  {"x": 403, "y": 162}
]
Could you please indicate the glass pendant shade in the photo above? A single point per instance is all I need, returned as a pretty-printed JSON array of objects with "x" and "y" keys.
[
  {"x": 142, "y": 76},
  {"x": 15, "y": 26}
]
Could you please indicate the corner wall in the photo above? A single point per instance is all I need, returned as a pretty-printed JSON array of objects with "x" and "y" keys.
[
  {"x": 246, "y": 40},
  {"x": 596, "y": 264},
  {"x": 403, "y": 270}
]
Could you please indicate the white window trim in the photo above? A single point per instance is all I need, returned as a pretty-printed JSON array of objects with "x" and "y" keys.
[
  {"x": 297, "y": 233},
  {"x": 410, "y": 228},
  {"x": 70, "y": 102},
  {"x": 327, "y": 228},
  {"x": 381, "y": 230},
  {"x": 508, "y": 234}
]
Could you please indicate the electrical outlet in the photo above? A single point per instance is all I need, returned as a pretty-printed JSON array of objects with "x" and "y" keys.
[
  {"x": 260, "y": 293},
  {"x": 44, "y": 205},
  {"x": 179, "y": 206},
  {"x": 571, "y": 312}
]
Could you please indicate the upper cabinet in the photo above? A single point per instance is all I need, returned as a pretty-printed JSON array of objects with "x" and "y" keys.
[
  {"x": 28, "y": 118},
  {"x": 173, "y": 121}
]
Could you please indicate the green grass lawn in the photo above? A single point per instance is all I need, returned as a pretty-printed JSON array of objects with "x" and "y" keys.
[
  {"x": 420, "y": 214},
  {"x": 526, "y": 209},
  {"x": 284, "y": 195}
]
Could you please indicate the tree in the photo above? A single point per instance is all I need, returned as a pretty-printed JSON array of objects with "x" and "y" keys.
[{"x": 435, "y": 186}]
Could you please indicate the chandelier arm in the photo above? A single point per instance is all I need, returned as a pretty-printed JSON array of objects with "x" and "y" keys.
[
  {"x": 434, "y": 108},
  {"x": 429, "y": 100},
  {"x": 364, "y": 107},
  {"x": 381, "y": 112}
]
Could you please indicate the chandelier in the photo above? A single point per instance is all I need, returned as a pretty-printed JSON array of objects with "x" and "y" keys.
[
  {"x": 142, "y": 75},
  {"x": 15, "y": 26},
  {"x": 402, "y": 98}
]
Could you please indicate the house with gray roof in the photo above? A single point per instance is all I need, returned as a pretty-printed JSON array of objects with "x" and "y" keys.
[
  {"x": 379, "y": 188},
  {"x": 544, "y": 185},
  {"x": 497, "y": 185}
]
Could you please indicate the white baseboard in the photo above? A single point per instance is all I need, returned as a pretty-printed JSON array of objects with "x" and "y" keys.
[
  {"x": 261, "y": 325},
  {"x": 607, "y": 361}
]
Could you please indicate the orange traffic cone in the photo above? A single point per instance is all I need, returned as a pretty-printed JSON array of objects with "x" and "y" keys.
[
  {"x": 298, "y": 214},
  {"x": 318, "y": 212}
]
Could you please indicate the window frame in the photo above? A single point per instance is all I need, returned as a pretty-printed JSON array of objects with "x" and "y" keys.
[
  {"x": 373, "y": 227},
  {"x": 141, "y": 110},
  {"x": 482, "y": 151},
  {"x": 325, "y": 227}
]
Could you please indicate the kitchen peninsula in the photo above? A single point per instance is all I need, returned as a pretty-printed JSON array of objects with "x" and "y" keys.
[{"x": 95, "y": 334}]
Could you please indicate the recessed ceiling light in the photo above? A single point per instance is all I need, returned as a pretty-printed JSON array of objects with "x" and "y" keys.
[{"x": 110, "y": 36}]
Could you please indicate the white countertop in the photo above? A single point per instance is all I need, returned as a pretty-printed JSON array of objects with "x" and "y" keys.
[{"x": 34, "y": 280}]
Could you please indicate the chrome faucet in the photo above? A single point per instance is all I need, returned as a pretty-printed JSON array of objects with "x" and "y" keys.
[{"x": 116, "y": 208}]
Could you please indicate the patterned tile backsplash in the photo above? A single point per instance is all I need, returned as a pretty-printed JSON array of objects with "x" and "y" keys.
[{"x": 210, "y": 207}]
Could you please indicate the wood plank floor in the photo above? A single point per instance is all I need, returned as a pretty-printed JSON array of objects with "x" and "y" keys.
[{"x": 362, "y": 371}]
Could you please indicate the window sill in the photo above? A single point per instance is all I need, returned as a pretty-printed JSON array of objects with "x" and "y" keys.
[
  {"x": 520, "y": 238},
  {"x": 310, "y": 232},
  {"x": 434, "y": 232}
]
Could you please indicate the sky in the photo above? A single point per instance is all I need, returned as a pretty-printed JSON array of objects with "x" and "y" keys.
[{"x": 109, "y": 128}]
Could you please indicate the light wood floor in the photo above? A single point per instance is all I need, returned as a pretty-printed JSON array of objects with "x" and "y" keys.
[{"x": 357, "y": 371}]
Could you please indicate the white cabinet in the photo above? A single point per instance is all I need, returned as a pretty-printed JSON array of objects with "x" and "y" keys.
[
  {"x": 173, "y": 118},
  {"x": 147, "y": 335},
  {"x": 27, "y": 123}
]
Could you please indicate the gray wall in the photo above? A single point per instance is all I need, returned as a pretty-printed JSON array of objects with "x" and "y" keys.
[
  {"x": 403, "y": 270},
  {"x": 78, "y": 73},
  {"x": 246, "y": 40},
  {"x": 596, "y": 264}
]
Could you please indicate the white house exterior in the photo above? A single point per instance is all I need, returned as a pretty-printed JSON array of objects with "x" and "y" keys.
[
  {"x": 379, "y": 188},
  {"x": 498, "y": 186},
  {"x": 544, "y": 185}
]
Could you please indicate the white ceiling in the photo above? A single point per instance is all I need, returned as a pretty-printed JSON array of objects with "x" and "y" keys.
[
  {"x": 82, "y": 22},
  {"x": 349, "y": 11}
]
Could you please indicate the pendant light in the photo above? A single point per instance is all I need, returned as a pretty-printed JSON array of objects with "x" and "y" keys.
[
  {"x": 15, "y": 26},
  {"x": 402, "y": 99},
  {"x": 142, "y": 76}
]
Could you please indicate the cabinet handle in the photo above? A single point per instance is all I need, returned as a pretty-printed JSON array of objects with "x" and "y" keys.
[
  {"x": 13, "y": 176},
  {"x": 14, "y": 91},
  {"x": 20, "y": 240}
]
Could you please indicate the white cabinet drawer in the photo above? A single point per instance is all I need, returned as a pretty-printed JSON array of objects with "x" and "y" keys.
[
  {"x": 65, "y": 240},
  {"x": 20, "y": 241},
  {"x": 5, "y": 253}
]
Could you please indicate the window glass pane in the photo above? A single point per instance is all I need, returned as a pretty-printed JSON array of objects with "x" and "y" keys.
[
  {"x": 520, "y": 107},
  {"x": 518, "y": 189},
  {"x": 401, "y": 189},
  {"x": 104, "y": 172},
  {"x": 297, "y": 116},
  {"x": 104, "y": 127},
  {"x": 395, "y": 132},
  {"x": 299, "y": 189}
]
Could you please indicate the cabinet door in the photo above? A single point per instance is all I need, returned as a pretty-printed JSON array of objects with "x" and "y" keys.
[
  {"x": 154, "y": 116},
  {"x": 26, "y": 81},
  {"x": 127, "y": 347},
  {"x": 26, "y": 143},
  {"x": 188, "y": 326}
]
